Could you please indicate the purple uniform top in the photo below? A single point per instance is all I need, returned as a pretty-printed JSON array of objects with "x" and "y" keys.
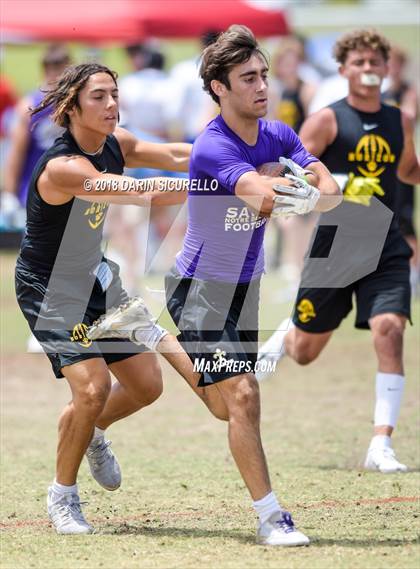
[
  {"x": 42, "y": 133},
  {"x": 224, "y": 239}
]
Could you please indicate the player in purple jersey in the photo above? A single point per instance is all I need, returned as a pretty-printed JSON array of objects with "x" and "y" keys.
[
  {"x": 213, "y": 290},
  {"x": 32, "y": 135}
]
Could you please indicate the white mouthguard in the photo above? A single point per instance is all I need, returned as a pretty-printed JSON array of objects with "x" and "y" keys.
[{"x": 370, "y": 79}]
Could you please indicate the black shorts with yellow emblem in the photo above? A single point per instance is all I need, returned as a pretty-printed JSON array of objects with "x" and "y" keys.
[
  {"x": 59, "y": 316},
  {"x": 387, "y": 289},
  {"x": 218, "y": 324}
]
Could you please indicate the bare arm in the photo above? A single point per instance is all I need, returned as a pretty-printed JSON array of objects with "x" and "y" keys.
[
  {"x": 173, "y": 156},
  {"x": 408, "y": 166},
  {"x": 318, "y": 131},
  {"x": 18, "y": 148},
  {"x": 74, "y": 176}
]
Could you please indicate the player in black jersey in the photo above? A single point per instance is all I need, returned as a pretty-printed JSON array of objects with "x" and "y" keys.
[
  {"x": 371, "y": 146},
  {"x": 64, "y": 283}
]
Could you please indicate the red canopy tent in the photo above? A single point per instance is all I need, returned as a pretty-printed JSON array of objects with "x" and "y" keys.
[
  {"x": 101, "y": 21},
  {"x": 191, "y": 18},
  {"x": 94, "y": 21}
]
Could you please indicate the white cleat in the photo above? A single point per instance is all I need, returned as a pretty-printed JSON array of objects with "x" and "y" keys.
[
  {"x": 280, "y": 530},
  {"x": 64, "y": 510},
  {"x": 130, "y": 321},
  {"x": 383, "y": 459},
  {"x": 103, "y": 464},
  {"x": 272, "y": 351}
]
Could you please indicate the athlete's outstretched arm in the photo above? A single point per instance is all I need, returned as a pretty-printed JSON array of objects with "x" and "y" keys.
[
  {"x": 172, "y": 156},
  {"x": 408, "y": 166},
  {"x": 74, "y": 176}
]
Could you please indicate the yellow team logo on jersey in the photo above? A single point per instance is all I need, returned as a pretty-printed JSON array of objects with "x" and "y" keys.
[
  {"x": 372, "y": 155},
  {"x": 96, "y": 214},
  {"x": 306, "y": 310},
  {"x": 79, "y": 335}
]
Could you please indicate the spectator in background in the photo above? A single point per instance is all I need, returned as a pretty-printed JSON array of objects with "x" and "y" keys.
[
  {"x": 291, "y": 96},
  {"x": 146, "y": 98},
  {"x": 293, "y": 93},
  {"x": 31, "y": 136},
  {"x": 307, "y": 71},
  {"x": 192, "y": 107},
  {"x": 401, "y": 93},
  {"x": 145, "y": 95}
]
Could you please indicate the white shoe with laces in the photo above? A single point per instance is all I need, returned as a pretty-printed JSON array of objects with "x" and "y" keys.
[
  {"x": 103, "y": 464},
  {"x": 272, "y": 351},
  {"x": 383, "y": 459},
  {"x": 65, "y": 512},
  {"x": 132, "y": 321},
  {"x": 280, "y": 530}
]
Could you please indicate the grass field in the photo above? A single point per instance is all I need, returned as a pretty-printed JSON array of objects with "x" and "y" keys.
[{"x": 182, "y": 503}]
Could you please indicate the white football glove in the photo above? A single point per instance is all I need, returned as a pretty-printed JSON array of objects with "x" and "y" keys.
[
  {"x": 294, "y": 168},
  {"x": 298, "y": 199}
]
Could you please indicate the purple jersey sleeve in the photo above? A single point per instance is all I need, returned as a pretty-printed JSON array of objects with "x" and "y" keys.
[
  {"x": 294, "y": 149},
  {"x": 221, "y": 160}
]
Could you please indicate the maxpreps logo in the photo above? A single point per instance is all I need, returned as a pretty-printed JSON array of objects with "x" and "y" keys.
[
  {"x": 306, "y": 311},
  {"x": 242, "y": 219},
  {"x": 372, "y": 154},
  {"x": 96, "y": 214},
  {"x": 79, "y": 335}
]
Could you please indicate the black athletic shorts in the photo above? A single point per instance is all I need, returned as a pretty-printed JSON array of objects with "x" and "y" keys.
[
  {"x": 49, "y": 315},
  {"x": 218, "y": 324},
  {"x": 387, "y": 289}
]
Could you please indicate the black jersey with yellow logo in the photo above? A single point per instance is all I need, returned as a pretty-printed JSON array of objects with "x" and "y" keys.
[
  {"x": 367, "y": 145},
  {"x": 70, "y": 233}
]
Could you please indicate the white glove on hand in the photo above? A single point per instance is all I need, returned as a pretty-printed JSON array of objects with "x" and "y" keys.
[
  {"x": 294, "y": 168},
  {"x": 299, "y": 199}
]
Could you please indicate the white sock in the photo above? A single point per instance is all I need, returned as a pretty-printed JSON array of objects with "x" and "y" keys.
[
  {"x": 150, "y": 338},
  {"x": 389, "y": 391},
  {"x": 62, "y": 489},
  {"x": 266, "y": 507},
  {"x": 97, "y": 434},
  {"x": 380, "y": 441}
]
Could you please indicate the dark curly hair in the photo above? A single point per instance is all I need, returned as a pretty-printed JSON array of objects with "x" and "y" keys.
[
  {"x": 361, "y": 39},
  {"x": 234, "y": 46},
  {"x": 65, "y": 96}
]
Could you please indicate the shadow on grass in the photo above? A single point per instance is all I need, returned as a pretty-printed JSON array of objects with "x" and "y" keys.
[
  {"x": 242, "y": 537},
  {"x": 179, "y": 532}
]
